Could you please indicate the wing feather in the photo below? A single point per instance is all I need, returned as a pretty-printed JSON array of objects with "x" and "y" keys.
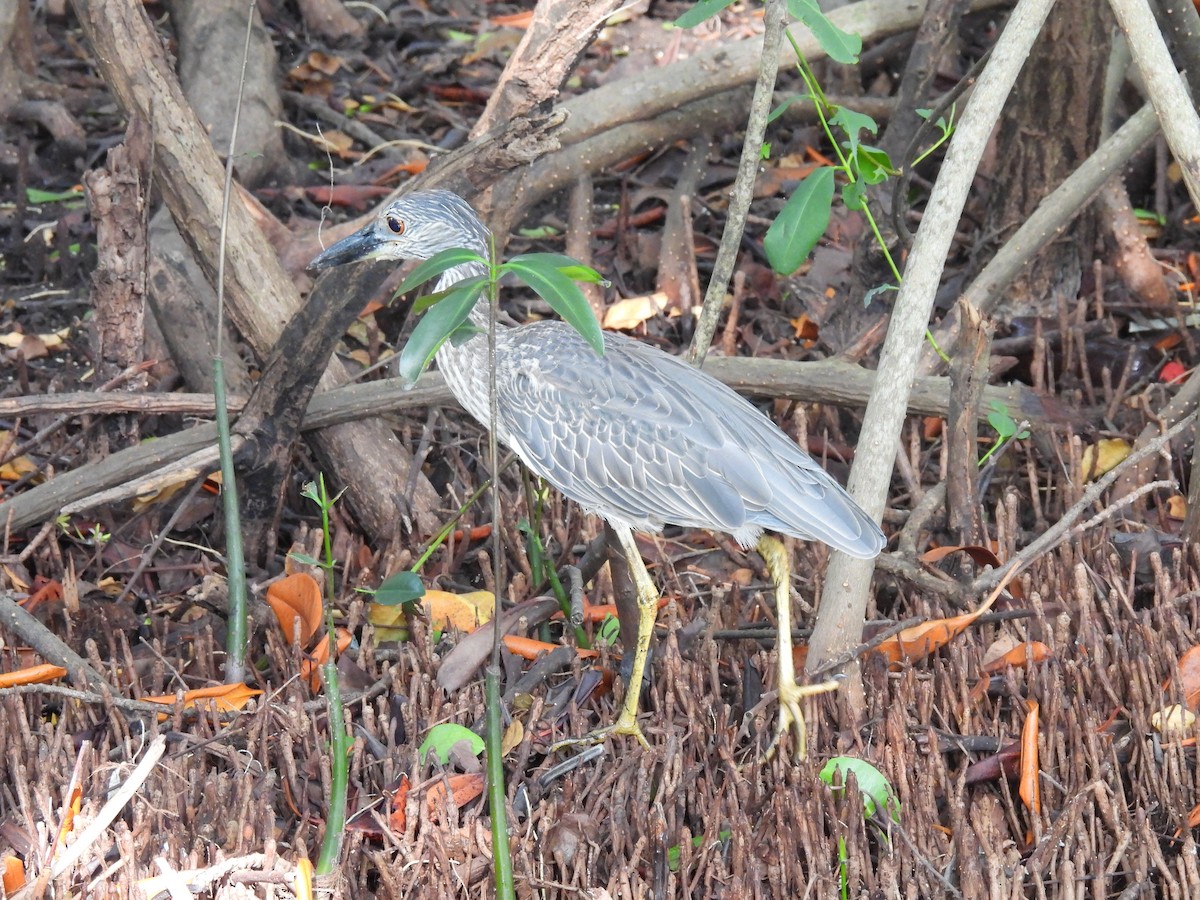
[{"x": 642, "y": 438}]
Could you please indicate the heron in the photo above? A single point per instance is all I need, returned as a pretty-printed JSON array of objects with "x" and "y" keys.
[{"x": 636, "y": 436}]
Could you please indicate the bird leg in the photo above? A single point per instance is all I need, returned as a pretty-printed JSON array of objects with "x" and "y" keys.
[
  {"x": 647, "y": 602},
  {"x": 775, "y": 555}
]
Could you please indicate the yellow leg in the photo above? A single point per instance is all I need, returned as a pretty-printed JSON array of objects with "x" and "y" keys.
[
  {"x": 647, "y": 600},
  {"x": 791, "y": 717}
]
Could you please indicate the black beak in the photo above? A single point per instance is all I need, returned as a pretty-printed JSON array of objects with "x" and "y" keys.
[{"x": 363, "y": 244}]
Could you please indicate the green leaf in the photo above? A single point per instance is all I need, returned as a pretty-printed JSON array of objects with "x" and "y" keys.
[
  {"x": 872, "y": 164},
  {"x": 782, "y": 108},
  {"x": 425, "y": 301},
  {"x": 438, "y": 324},
  {"x": 572, "y": 268},
  {"x": 37, "y": 197},
  {"x": 876, "y": 790},
  {"x": 1001, "y": 421},
  {"x": 537, "y": 234},
  {"x": 801, "y": 222},
  {"x": 442, "y": 738},
  {"x": 673, "y": 853},
  {"x": 304, "y": 559},
  {"x": 840, "y": 46},
  {"x": 436, "y": 265},
  {"x": 609, "y": 631},
  {"x": 704, "y": 9},
  {"x": 854, "y": 195},
  {"x": 876, "y": 291},
  {"x": 403, "y": 587},
  {"x": 563, "y": 295},
  {"x": 853, "y": 124}
]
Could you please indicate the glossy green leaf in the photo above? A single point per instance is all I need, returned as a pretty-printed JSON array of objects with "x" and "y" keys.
[
  {"x": 876, "y": 790},
  {"x": 563, "y": 295},
  {"x": 438, "y": 324},
  {"x": 436, "y": 265},
  {"x": 704, "y": 9},
  {"x": 442, "y": 738},
  {"x": 403, "y": 587},
  {"x": 840, "y": 46},
  {"x": 801, "y": 222},
  {"x": 872, "y": 164},
  {"x": 572, "y": 268}
]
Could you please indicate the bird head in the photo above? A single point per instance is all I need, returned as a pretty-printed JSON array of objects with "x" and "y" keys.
[{"x": 417, "y": 226}]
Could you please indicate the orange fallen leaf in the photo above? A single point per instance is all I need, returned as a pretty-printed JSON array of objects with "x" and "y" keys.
[
  {"x": 226, "y": 697},
  {"x": 296, "y": 597},
  {"x": 310, "y": 667},
  {"x": 39, "y": 674},
  {"x": 1193, "y": 820},
  {"x": 74, "y": 804},
  {"x": 399, "y": 797},
  {"x": 15, "y": 468},
  {"x": 1189, "y": 677},
  {"x": 14, "y": 875},
  {"x": 1030, "y": 788},
  {"x": 1177, "y": 507},
  {"x": 513, "y": 20},
  {"x": 528, "y": 648},
  {"x": 916, "y": 643},
  {"x": 804, "y": 328},
  {"x": 598, "y": 612},
  {"x": 1019, "y": 656},
  {"x": 463, "y": 788},
  {"x": 919, "y": 641},
  {"x": 478, "y": 533},
  {"x": 48, "y": 592}
]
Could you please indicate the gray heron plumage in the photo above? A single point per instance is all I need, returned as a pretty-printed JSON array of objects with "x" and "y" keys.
[{"x": 636, "y": 436}]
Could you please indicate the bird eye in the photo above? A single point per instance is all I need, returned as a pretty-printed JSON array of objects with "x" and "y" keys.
[{"x": 396, "y": 224}]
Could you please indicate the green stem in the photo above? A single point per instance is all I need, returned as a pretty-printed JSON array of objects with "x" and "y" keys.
[
  {"x": 235, "y": 554},
  {"x": 339, "y": 770},
  {"x": 494, "y": 739},
  {"x": 501, "y": 858},
  {"x": 449, "y": 527}
]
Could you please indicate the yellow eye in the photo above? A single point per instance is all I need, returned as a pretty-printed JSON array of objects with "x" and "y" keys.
[{"x": 397, "y": 225}]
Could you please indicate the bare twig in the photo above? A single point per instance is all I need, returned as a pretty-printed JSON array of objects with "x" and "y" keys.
[{"x": 743, "y": 185}]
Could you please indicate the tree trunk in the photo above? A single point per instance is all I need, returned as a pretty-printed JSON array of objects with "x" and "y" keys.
[{"x": 1050, "y": 125}]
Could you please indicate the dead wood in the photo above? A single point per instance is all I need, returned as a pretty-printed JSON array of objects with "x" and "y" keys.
[
  {"x": 119, "y": 199},
  {"x": 261, "y": 298},
  {"x": 968, "y": 375},
  {"x": 556, "y": 36},
  {"x": 271, "y": 420}
]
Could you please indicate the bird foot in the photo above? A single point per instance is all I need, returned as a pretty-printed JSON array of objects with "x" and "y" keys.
[
  {"x": 625, "y": 724},
  {"x": 791, "y": 716}
]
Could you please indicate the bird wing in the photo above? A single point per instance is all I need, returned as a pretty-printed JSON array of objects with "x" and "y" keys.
[{"x": 644, "y": 439}]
